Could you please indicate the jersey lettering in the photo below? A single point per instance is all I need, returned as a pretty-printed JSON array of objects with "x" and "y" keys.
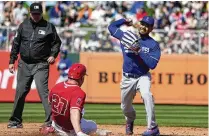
[
  {"x": 145, "y": 49},
  {"x": 59, "y": 105}
]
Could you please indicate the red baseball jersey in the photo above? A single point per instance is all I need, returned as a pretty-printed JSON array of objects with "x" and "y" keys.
[{"x": 64, "y": 97}]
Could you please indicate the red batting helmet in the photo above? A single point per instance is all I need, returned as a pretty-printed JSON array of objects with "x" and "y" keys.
[{"x": 77, "y": 71}]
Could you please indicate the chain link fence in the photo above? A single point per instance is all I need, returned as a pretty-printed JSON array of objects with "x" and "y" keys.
[{"x": 99, "y": 40}]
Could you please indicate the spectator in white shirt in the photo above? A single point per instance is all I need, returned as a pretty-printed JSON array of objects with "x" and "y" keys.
[{"x": 18, "y": 13}]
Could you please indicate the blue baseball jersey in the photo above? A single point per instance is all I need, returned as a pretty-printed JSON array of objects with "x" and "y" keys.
[
  {"x": 64, "y": 65},
  {"x": 142, "y": 62}
]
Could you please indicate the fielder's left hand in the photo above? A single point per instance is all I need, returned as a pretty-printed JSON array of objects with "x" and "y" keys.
[{"x": 131, "y": 41}]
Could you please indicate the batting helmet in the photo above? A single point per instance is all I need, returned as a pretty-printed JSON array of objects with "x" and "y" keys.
[{"x": 77, "y": 71}]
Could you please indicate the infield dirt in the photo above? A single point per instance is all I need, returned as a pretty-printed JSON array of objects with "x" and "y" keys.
[{"x": 32, "y": 129}]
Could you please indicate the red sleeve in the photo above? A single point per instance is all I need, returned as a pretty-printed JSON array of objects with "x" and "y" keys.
[{"x": 78, "y": 100}]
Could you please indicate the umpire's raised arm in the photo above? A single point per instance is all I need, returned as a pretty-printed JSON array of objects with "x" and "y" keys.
[{"x": 55, "y": 44}]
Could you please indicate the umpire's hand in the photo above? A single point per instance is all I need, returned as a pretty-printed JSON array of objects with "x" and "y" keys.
[
  {"x": 51, "y": 60},
  {"x": 11, "y": 68}
]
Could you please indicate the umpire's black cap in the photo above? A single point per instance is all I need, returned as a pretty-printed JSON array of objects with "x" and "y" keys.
[{"x": 36, "y": 8}]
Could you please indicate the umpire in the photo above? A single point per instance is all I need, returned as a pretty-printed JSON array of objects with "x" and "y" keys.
[{"x": 38, "y": 44}]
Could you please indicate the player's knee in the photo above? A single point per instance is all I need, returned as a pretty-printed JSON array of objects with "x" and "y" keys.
[
  {"x": 88, "y": 126},
  {"x": 127, "y": 108},
  {"x": 124, "y": 107},
  {"x": 93, "y": 126},
  {"x": 146, "y": 95}
]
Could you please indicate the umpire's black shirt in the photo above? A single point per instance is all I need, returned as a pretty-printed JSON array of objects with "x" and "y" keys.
[{"x": 35, "y": 42}]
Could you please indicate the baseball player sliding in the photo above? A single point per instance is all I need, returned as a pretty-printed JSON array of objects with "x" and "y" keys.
[
  {"x": 140, "y": 54},
  {"x": 67, "y": 101}
]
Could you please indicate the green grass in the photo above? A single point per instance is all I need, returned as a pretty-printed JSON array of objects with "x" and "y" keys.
[{"x": 166, "y": 115}]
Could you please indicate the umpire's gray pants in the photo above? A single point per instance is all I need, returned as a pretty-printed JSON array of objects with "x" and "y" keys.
[{"x": 25, "y": 75}]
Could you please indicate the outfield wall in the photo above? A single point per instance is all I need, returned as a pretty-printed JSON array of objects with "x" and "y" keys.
[{"x": 178, "y": 79}]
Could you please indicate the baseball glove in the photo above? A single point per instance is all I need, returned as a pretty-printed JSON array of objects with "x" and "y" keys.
[{"x": 131, "y": 41}]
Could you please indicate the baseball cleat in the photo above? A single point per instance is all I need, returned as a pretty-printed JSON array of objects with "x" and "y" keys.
[
  {"x": 152, "y": 132},
  {"x": 129, "y": 128},
  {"x": 14, "y": 124}
]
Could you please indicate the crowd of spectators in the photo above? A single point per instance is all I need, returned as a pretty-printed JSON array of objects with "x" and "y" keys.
[{"x": 181, "y": 25}]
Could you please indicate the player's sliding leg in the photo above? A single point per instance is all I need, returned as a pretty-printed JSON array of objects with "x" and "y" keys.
[{"x": 88, "y": 126}]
